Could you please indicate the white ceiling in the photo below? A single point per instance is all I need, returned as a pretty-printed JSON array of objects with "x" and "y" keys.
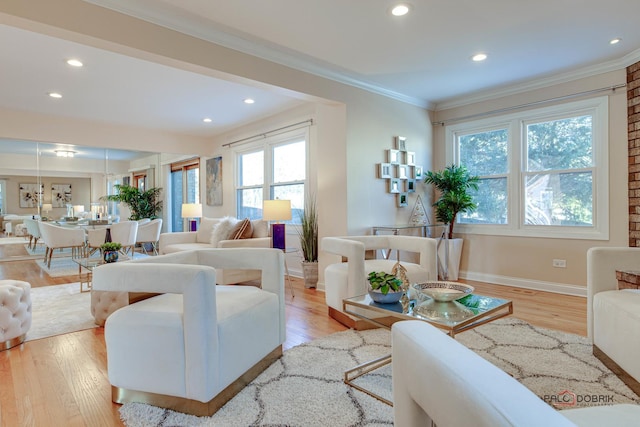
[{"x": 422, "y": 58}]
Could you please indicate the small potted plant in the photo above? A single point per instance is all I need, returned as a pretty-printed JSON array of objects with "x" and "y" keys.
[
  {"x": 385, "y": 287},
  {"x": 309, "y": 242},
  {"x": 110, "y": 251}
]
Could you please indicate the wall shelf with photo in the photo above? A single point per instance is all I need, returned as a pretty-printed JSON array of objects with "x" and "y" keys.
[{"x": 400, "y": 171}]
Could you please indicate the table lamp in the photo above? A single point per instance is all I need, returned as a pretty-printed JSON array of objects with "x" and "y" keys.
[
  {"x": 277, "y": 210},
  {"x": 77, "y": 210},
  {"x": 191, "y": 211},
  {"x": 46, "y": 208}
]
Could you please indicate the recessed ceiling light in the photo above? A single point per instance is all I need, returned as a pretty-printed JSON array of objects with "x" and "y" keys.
[
  {"x": 55, "y": 95},
  {"x": 400, "y": 9},
  {"x": 615, "y": 41},
  {"x": 207, "y": 120},
  {"x": 249, "y": 101},
  {"x": 479, "y": 57},
  {"x": 65, "y": 153},
  {"x": 75, "y": 62}
]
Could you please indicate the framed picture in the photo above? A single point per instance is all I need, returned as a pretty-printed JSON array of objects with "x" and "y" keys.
[
  {"x": 393, "y": 156},
  {"x": 401, "y": 143},
  {"x": 60, "y": 195},
  {"x": 214, "y": 181},
  {"x": 403, "y": 172},
  {"x": 30, "y": 195},
  {"x": 394, "y": 185},
  {"x": 410, "y": 158},
  {"x": 403, "y": 200},
  {"x": 418, "y": 173},
  {"x": 384, "y": 170},
  {"x": 410, "y": 186}
]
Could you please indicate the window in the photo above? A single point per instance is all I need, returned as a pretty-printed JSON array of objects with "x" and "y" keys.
[
  {"x": 275, "y": 169},
  {"x": 185, "y": 188},
  {"x": 543, "y": 172}
]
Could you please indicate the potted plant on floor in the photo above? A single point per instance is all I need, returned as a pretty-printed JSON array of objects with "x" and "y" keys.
[
  {"x": 110, "y": 251},
  {"x": 309, "y": 242},
  {"x": 143, "y": 204},
  {"x": 453, "y": 184}
]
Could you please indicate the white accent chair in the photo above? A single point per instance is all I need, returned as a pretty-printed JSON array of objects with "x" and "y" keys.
[
  {"x": 33, "y": 232},
  {"x": 194, "y": 347},
  {"x": 348, "y": 279},
  {"x": 55, "y": 237},
  {"x": 125, "y": 233},
  {"x": 149, "y": 233},
  {"x": 437, "y": 380},
  {"x": 613, "y": 323}
]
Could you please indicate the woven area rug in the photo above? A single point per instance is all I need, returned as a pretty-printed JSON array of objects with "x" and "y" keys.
[
  {"x": 305, "y": 388},
  {"x": 59, "y": 309}
]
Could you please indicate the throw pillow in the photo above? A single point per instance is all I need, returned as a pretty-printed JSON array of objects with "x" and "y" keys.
[
  {"x": 260, "y": 228},
  {"x": 205, "y": 229},
  {"x": 242, "y": 230},
  {"x": 222, "y": 230}
]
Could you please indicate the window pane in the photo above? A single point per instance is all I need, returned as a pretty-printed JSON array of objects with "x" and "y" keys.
[
  {"x": 491, "y": 198},
  {"x": 295, "y": 193},
  {"x": 251, "y": 169},
  {"x": 485, "y": 153},
  {"x": 193, "y": 185},
  {"x": 176, "y": 201},
  {"x": 560, "y": 144},
  {"x": 559, "y": 199},
  {"x": 289, "y": 162},
  {"x": 249, "y": 203}
]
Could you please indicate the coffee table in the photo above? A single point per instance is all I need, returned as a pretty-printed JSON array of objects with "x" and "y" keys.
[
  {"x": 89, "y": 264},
  {"x": 452, "y": 317}
]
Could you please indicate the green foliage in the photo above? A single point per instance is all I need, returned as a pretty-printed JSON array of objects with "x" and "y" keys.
[
  {"x": 309, "y": 230},
  {"x": 384, "y": 281},
  {"x": 453, "y": 184},
  {"x": 143, "y": 204},
  {"x": 110, "y": 246}
]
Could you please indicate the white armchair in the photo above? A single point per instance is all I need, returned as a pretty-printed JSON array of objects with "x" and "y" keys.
[
  {"x": 194, "y": 347},
  {"x": 348, "y": 279},
  {"x": 437, "y": 379},
  {"x": 33, "y": 231},
  {"x": 612, "y": 315},
  {"x": 55, "y": 237},
  {"x": 125, "y": 233}
]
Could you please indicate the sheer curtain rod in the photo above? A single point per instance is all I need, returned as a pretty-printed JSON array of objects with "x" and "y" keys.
[
  {"x": 268, "y": 133},
  {"x": 531, "y": 104}
]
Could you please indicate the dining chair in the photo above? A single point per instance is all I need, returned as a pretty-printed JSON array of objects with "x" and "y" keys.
[
  {"x": 55, "y": 237},
  {"x": 95, "y": 238},
  {"x": 149, "y": 233},
  {"x": 125, "y": 233}
]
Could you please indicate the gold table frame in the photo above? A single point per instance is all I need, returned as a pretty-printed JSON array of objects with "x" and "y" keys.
[{"x": 502, "y": 308}]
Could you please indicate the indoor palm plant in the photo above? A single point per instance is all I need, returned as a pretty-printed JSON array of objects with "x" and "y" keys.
[
  {"x": 309, "y": 242},
  {"x": 143, "y": 204},
  {"x": 453, "y": 185}
]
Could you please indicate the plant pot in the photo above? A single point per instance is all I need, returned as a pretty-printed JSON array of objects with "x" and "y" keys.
[
  {"x": 390, "y": 297},
  {"x": 310, "y": 273},
  {"x": 110, "y": 256},
  {"x": 454, "y": 256}
]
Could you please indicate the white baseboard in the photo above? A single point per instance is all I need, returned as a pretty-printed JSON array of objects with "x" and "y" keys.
[{"x": 516, "y": 282}]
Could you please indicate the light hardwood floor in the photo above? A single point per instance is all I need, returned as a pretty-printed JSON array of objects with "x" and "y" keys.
[{"x": 63, "y": 380}]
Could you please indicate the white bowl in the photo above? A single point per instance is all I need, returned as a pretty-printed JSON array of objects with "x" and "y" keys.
[{"x": 443, "y": 291}]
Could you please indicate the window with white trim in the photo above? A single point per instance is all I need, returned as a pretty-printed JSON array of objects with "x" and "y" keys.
[
  {"x": 543, "y": 172},
  {"x": 275, "y": 169}
]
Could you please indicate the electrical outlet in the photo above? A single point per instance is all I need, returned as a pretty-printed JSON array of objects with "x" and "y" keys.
[{"x": 560, "y": 263}]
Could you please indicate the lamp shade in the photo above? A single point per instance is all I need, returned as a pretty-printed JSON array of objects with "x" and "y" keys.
[
  {"x": 191, "y": 210},
  {"x": 78, "y": 209},
  {"x": 276, "y": 210},
  {"x": 46, "y": 207}
]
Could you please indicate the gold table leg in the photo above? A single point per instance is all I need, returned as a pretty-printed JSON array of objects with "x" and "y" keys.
[{"x": 363, "y": 369}]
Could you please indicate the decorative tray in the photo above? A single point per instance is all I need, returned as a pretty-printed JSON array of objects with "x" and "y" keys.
[{"x": 443, "y": 291}]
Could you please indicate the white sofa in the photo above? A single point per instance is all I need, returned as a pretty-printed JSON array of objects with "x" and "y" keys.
[
  {"x": 437, "y": 379},
  {"x": 613, "y": 316},
  {"x": 201, "y": 239},
  {"x": 196, "y": 345}
]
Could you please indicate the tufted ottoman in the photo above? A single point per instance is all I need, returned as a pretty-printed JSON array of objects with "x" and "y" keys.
[
  {"x": 15, "y": 312},
  {"x": 103, "y": 303}
]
